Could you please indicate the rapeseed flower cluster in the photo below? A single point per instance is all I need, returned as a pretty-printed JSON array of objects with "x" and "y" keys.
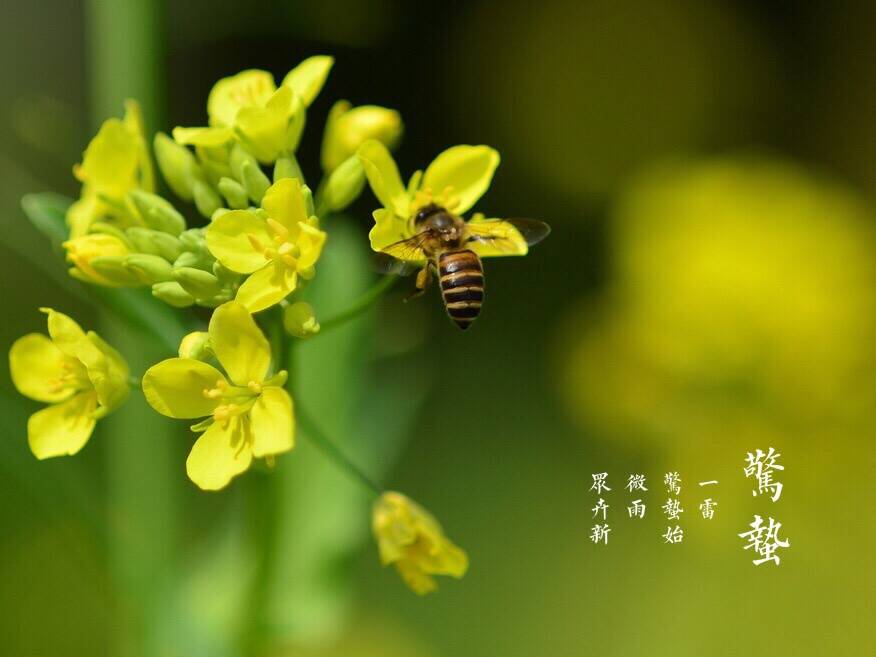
[{"x": 244, "y": 234}]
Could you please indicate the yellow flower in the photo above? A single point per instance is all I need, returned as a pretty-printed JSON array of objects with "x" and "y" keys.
[
  {"x": 248, "y": 415},
  {"x": 79, "y": 374},
  {"x": 115, "y": 162},
  {"x": 411, "y": 539},
  {"x": 249, "y": 107},
  {"x": 109, "y": 252},
  {"x": 273, "y": 250},
  {"x": 456, "y": 179}
]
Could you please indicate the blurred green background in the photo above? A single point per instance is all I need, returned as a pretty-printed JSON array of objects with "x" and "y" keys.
[{"x": 709, "y": 170}]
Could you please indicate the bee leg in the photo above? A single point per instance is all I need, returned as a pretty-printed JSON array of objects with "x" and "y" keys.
[{"x": 424, "y": 280}]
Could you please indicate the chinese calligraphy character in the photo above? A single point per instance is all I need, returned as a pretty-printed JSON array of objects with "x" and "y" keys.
[
  {"x": 673, "y": 535},
  {"x": 708, "y": 508},
  {"x": 761, "y": 466},
  {"x": 600, "y": 533},
  {"x": 673, "y": 482},
  {"x": 636, "y": 482},
  {"x": 672, "y": 509},
  {"x": 765, "y": 540},
  {"x": 602, "y": 507},
  {"x": 637, "y": 510},
  {"x": 599, "y": 484},
  {"x": 708, "y": 483}
]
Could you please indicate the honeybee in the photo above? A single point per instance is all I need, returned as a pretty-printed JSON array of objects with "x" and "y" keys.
[{"x": 448, "y": 247}]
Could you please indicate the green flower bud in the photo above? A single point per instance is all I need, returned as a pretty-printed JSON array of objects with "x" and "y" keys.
[
  {"x": 287, "y": 166},
  {"x": 172, "y": 293},
  {"x": 193, "y": 240},
  {"x": 109, "y": 229},
  {"x": 299, "y": 320},
  {"x": 214, "y": 162},
  {"x": 141, "y": 238},
  {"x": 169, "y": 247},
  {"x": 344, "y": 185},
  {"x": 157, "y": 212},
  {"x": 197, "y": 282},
  {"x": 225, "y": 275},
  {"x": 234, "y": 193},
  {"x": 238, "y": 157},
  {"x": 255, "y": 181},
  {"x": 196, "y": 345},
  {"x": 112, "y": 269},
  {"x": 149, "y": 269},
  {"x": 348, "y": 128},
  {"x": 206, "y": 199},
  {"x": 308, "y": 201},
  {"x": 178, "y": 166}
]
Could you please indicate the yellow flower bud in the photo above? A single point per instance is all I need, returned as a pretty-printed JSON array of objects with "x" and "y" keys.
[
  {"x": 348, "y": 128},
  {"x": 299, "y": 320},
  {"x": 195, "y": 345},
  {"x": 82, "y": 251}
]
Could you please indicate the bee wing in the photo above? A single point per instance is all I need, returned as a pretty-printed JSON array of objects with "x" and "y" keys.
[
  {"x": 502, "y": 237},
  {"x": 386, "y": 264},
  {"x": 403, "y": 257}
]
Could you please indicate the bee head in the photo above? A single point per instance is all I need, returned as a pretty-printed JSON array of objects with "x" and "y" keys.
[{"x": 424, "y": 213}]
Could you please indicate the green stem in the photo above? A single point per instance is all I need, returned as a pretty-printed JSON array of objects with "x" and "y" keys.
[
  {"x": 332, "y": 451},
  {"x": 359, "y": 306},
  {"x": 265, "y": 510}
]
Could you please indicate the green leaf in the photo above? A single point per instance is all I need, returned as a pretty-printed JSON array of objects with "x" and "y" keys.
[{"x": 47, "y": 211}]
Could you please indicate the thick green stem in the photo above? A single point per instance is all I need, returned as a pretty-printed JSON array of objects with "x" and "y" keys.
[
  {"x": 142, "y": 464},
  {"x": 361, "y": 304}
]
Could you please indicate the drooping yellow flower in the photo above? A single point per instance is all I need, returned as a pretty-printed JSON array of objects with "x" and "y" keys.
[
  {"x": 109, "y": 251},
  {"x": 249, "y": 415},
  {"x": 77, "y": 373},
  {"x": 115, "y": 162},
  {"x": 275, "y": 251},
  {"x": 250, "y": 107},
  {"x": 412, "y": 540},
  {"x": 455, "y": 180}
]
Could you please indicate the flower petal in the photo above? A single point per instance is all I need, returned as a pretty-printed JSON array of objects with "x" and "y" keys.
[
  {"x": 109, "y": 164},
  {"x": 267, "y": 286},
  {"x": 222, "y": 452},
  {"x": 417, "y": 581},
  {"x": 507, "y": 239},
  {"x": 36, "y": 365},
  {"x": 309, "y": 76},
  {"x": 264, "y": 128},
  {"x": 208, "y": 137},
  {"x": 310, "y": 241},
  {"x": 228, "y": 239},
  {"x": 246, "y": 89},
  {"x": 383, "y": 177},
  {"x": 273, "y": 423},
  {"x": 468, "y": 170},
  {"x": 175, "y": 387},
  {"x": 388, "y": 229},
  {"x": 110, "y": 379},
  {"x": 239, "y": 344},
  {"x": 64, "y": 428},
  {"x": 284, "y": 202},
  {"x": 69, "y": 337}
]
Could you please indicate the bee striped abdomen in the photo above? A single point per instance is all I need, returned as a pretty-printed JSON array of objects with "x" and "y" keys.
[{"x": 462, "y": 285}]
